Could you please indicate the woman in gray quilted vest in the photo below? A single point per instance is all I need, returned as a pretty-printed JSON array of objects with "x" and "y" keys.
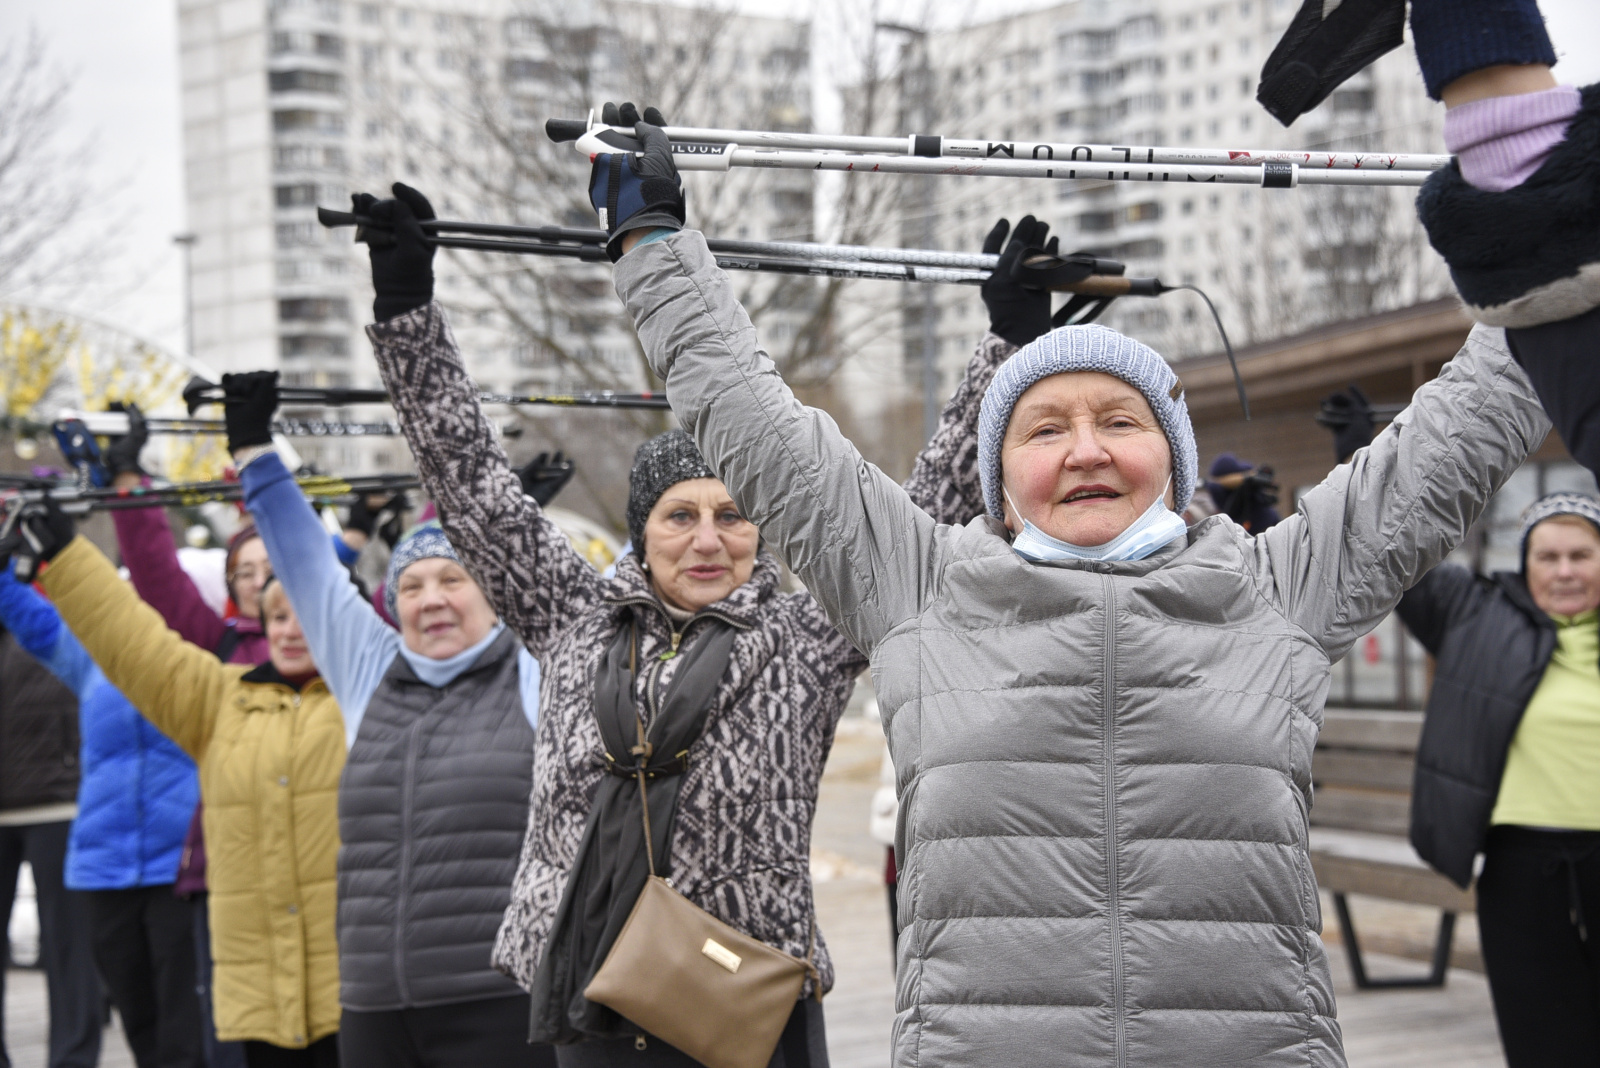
[
  {"x": 439, "y": 719},
  {"x": 1101, "y": 722},
  {"x": 693, "y": 636}
]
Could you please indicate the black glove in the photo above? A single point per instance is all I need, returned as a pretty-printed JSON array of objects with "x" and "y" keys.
[
  {"x": 1349, "y": 415},
  {"x": 402, "y": 266},
  {"x": 381, "y": 519},
  {"x": 636, "y": 190},
  {"x": 544, "y": 475},
  {"x": 34, "y": 534},
  {"x": 1017, "y": 314},
  {"x": 249, "y": 402},
  {"x": 122, "y": 455}
]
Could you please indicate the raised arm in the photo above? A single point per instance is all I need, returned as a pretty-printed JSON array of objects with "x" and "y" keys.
[
  {"x": 144, "y": 538},
  {"x": 1441, "y": 599},
  {"x": 39, "y": 630},
  {"x": 860, "y": 544},
  {"x": 525, "y": 564},
  {"x": 944, "y": 483},
  {"x": 175, "y": 684},
  {"x": 1378, "y": 523},
  {"x": 351, "y": 645}
]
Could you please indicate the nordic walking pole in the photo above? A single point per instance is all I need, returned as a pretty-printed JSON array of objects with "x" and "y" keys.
[
  {"x": 1266, "y": 174},
  {"x": 938, "y": 147},
  {"x": 199, "y": 392}
]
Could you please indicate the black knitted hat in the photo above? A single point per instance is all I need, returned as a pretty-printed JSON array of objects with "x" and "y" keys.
[{"x": 661, "y": 463}]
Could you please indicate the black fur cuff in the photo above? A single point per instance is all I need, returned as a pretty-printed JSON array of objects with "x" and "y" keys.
[{"x": 1529, "y": 255}]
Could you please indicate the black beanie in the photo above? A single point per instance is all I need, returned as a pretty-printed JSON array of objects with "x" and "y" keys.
[{"x": 661, "y": 463}]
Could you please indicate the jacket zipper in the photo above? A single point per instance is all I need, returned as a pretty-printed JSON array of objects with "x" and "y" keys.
[
  {"x": 1108, "y": 757},
  {"x": 402, "y": 907}
]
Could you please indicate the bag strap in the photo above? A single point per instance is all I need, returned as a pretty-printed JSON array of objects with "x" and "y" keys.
[{"x": 642, "y": 752}]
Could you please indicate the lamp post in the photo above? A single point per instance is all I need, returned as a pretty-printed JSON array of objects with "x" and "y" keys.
[
  {"x": 921, "y": 90},
  {"x": 186, "y": 241}
]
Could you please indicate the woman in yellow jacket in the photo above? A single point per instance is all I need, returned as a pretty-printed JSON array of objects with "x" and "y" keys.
[{"x": 270, "y": 745}]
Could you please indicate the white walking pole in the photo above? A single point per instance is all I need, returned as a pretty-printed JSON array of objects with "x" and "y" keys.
[{"x": 702, "y": 149}]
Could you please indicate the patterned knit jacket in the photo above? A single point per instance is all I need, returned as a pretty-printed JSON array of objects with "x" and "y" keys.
[{"x": 741, "y": 841}]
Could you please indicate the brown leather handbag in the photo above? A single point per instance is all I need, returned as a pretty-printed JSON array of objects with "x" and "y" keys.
[{"x": 690, "y": 980}]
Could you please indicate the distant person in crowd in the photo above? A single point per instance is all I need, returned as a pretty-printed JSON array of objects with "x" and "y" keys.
[
  {"x": 148, "y": 549},
  {"x": 1509, "y": 767},
  {"x": 1244, "y": 492},
  {"x": 270, "y": 746},
  {"x": 137, "y": 793},
  {"x": 433, "y": 802},
  {"x": 767, "y": 675},
  {"x": 39, "y": 775}
]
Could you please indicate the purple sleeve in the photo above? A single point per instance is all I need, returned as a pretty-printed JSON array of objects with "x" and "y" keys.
[{"x": 145, "y": 540}]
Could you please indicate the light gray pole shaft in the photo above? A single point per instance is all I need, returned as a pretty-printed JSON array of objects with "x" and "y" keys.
[
  {"x": 980, "y": 148},
  {"x": 1270, "y": 175}
]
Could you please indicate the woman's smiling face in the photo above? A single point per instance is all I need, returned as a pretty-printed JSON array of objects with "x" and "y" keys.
[{"x": 1082, "y": 458}]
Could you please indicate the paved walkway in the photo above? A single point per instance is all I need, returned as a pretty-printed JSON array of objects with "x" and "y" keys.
[{"x": 1385, "y": 1029}]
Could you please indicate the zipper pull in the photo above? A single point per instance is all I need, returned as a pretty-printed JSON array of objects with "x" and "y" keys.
[{"x": 677, "y": 636}]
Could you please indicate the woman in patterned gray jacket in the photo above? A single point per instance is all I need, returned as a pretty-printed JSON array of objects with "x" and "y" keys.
[{"x": 774, "y": 675}]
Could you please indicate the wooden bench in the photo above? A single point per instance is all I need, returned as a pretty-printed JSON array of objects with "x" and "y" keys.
[{"x": 1359, "y": 823}]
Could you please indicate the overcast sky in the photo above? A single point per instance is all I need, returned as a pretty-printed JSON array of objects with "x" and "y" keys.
[{"x": 123, "y": 54}]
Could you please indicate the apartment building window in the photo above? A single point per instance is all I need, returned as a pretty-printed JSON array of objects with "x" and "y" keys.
[
  {"x": 1214, "y": 53},
  {"x": 1186, "y": 134},
  {"x": 1097, "y": 222},
  {"x": 1244, "y": 85},
  {"x": 304, "y": 81},
  {"x": 1149, "y": 248},
  {"x": 1244, "y": 46},
  {"x": 1244, "y": 9},
  {"x": 1245, "y": 122},
  {"x": 299, "y": 234},
  {"x": 371, "y": 14},
  {"x": 1186, "y": 98},
  {"x": 313, "y": 309},
  {"x": 1213, "y": 92},
  {"x": 1148, "y": 211},
  {"x": 1063, "y": 120},
  {"x": 1186, "y": 23},
  {"x": 306, "y": 121},
  {"x": 296, "y": 195},
  {"x": 1187, "y": 207},
  {"x": 1186, "y": 61},
  {"x": 1348, "y": 101},
  {"x": 1213, "y": 15},
  {"x": 406, "y": 16}
]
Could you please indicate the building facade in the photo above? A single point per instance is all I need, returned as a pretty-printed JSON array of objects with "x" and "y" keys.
[
  {"x": 1176, "y": 73},
  {"x": 292, "y": 104}
]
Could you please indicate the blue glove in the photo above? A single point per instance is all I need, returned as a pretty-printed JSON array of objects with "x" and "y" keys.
[{"x": 636, "y": 190}]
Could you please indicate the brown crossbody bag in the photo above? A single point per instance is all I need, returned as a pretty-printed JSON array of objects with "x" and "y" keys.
[{"x": 691, "y": 980}]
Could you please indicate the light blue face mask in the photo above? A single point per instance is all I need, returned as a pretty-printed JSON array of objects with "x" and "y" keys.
[{"x": 1157, "y": 526}]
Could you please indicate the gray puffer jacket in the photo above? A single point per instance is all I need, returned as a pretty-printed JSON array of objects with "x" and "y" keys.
[{"x": 1104, "y": 769}]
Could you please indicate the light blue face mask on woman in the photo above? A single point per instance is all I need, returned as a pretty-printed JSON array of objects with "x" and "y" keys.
[{"x": 1157, "y": 526}]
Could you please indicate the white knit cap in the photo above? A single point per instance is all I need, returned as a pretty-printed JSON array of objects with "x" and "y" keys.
[{"x": 1087, "y": 348}]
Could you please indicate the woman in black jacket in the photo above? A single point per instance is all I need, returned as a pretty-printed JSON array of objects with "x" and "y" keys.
[{"x": 1509, "y": 766}]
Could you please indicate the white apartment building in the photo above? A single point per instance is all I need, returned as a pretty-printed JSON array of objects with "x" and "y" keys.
[
  {"x": 1174, "y": 72},
  {"x": 291, "y": 104}
]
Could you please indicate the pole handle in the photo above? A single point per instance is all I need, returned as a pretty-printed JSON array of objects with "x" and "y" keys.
[{"x": 564, "y": 130}]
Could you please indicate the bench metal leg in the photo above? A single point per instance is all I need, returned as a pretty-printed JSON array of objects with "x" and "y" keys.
[{"x": 1358, "y": 967}]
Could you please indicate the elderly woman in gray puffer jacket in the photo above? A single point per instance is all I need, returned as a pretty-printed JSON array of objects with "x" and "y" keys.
[
  {"x": 715, "y": 634},
  {"x": 1102, "y": 723}
]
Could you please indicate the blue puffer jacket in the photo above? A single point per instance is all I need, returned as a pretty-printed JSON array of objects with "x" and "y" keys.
[{"x": 138, "y": 789}]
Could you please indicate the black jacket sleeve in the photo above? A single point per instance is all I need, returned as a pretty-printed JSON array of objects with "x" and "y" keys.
[
  {"x": 1445, "y": 596},
  {"x": 1560, "y": 361}
]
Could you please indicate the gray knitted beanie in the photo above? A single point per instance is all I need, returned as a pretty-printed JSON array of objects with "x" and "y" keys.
[
  {"x": 423, "y": 541},
  {"x": 661, "y": 463},
  {"x": 1550, "y": 505},
  {"x": 1086, "y": 348}
]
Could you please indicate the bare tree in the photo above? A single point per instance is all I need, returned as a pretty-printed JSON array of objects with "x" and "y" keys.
[{"x": 42, "y": 188}]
